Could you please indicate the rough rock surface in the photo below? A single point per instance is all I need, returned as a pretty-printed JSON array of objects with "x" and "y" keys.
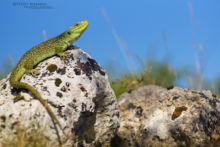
[
  {"x": 155, "y": 116},
  {"x": 77, "y": 90}
]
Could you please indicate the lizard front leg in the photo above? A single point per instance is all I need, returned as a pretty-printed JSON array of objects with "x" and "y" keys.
[{"x": 60, "y": 53}]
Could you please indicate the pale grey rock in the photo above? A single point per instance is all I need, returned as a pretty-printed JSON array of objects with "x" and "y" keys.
[
  {"x": 149, "y": 116},
  {"x": 77, "y": 90}
]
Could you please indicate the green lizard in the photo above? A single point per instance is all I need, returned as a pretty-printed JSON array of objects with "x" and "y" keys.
[{"x": 48, "y": 48}]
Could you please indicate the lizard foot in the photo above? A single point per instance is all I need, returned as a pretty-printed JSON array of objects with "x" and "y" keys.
[
  {"x": 20, "y": 97},
  {"x": 63, "y": 55},
  {"x": 34, "y": 72}
]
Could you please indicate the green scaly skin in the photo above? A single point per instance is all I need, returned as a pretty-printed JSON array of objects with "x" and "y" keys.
[{"x": 51, "y": 47}]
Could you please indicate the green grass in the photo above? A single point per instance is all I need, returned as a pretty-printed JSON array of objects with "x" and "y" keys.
[
  {"x": 155, "y": 73},
  {"x": 27, "y": 138}
]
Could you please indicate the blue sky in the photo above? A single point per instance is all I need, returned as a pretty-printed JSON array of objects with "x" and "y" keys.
[{"x": 121, "y": 31}]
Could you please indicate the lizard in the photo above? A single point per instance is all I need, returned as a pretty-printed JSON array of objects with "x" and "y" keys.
[{"x": 40, "y": 52}]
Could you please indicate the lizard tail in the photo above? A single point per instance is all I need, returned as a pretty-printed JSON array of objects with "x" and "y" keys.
[{"x": 38, "y": 96}]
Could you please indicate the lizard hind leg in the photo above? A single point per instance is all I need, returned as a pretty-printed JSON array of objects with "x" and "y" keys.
[
  {"x": 34, "y": 72},
  {"x": 30, "y": 70},
  {"x": 20, "y": 97}
]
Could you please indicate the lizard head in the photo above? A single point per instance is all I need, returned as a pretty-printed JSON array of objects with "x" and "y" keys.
[{"x": 73, "y": 33}]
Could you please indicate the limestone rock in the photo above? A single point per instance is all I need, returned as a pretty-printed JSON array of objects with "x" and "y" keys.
[
  {"x": 154, "y": 116},
  {"x": 77, "y": 90}
]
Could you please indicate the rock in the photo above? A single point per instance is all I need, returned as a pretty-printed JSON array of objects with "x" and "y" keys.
[
  {"x": 154, "y": 116},
  {"x": 77, "y": 90}
]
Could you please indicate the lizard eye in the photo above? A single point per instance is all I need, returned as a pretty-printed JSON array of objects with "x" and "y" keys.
[
  {"x": 77, "y": 24},
  {"x": 68, "y": 33}
]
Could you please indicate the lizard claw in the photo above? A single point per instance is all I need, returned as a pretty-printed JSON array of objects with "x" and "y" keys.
[
  {"x": 20, "y": 97},
  {"x": 62, "y": 55},
  {"x": 34, "y": 72}
]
